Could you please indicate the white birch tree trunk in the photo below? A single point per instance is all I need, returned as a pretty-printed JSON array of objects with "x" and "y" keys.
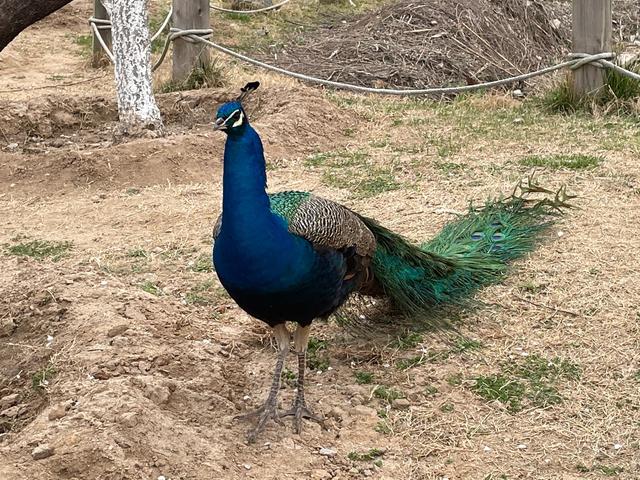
[{"x": 137, "y": 106}]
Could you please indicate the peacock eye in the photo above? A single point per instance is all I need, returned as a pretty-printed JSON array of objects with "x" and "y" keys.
[{"x": 238, "y": 118}]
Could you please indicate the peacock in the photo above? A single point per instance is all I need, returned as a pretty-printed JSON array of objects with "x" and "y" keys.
[{"x": 296, "y": 257}]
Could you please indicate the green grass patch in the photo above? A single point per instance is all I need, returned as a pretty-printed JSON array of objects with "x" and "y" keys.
[
  {"x": 341, "y": 158},
  {"x": 85, "y": 42},
  {"x": 351, "y": 170},
  {"x": 389, "y": 394},
  {"x": 449, "y": 167},
  {"x": 367, "y": 456},
  {"x": 408, "y": 340},
  {"x": 375, "y": 181},
  {"x": 202, "y": 264},
  {"x": 364, "y": 378},
  {"x": 382, "y": 427},
  {"x": 137, "y": 253},
  {"x": 562, "y": 99},
  {"x": 497, "y": 387},
  {"x": 536, "y": 369},
  {"x": 40, "y": 249},
  {"x": 407, "y": 363},
  {"x": 570, "y": 161},
  {"x": 198, "y": 295},
  {"x": 617, "y": 96},
  {"x": 288, "y": 377},
  {"x": 155, "y": 22},
  {"x": 533, "y": 380},
  {"x": 621, "y": 87},
  {"x": 465, "y": 345},
  {"x": 455, "y": 379},
  {"x": 530, "y": 286},
  {"x": 430, "y": 390},
  {"x": 446, "y": 407},
  {"x": 41, "y": 378},
  {"x": 609, "y": 471},
  {"x": 317, "y": 357},
  {"x": 151, "y": 288}
]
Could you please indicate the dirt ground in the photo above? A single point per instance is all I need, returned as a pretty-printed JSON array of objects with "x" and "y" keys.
[{"x": 121, "y": 357}]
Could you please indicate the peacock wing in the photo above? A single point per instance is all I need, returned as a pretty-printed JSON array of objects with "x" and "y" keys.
[{"x": 324, "y": 223}]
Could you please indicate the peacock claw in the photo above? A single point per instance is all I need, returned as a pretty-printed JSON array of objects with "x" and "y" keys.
[
  {"x": 298, "y": 412},
  {"x": 264, "y": 414}
]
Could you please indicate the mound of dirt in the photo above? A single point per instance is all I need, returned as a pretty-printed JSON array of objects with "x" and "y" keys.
[
  {"x": 64, "y": 142},
  {"x": 440, "y": 43}
]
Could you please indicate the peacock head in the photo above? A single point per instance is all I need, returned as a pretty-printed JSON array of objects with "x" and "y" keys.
[{"x": 231, "y": 117}]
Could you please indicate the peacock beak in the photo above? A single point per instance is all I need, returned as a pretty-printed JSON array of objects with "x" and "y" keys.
[{"x": 220, "y": 124}]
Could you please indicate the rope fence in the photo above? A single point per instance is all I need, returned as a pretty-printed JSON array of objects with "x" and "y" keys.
[
  {"x": 575, "y": 61},
  {"x": 247, "y": 12}
]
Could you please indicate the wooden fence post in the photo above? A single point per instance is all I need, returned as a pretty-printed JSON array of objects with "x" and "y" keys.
[
  {"x": 188, "y": 14},
  {"x": 99, "y": 54},
  {"x": 591, "y": 34}
]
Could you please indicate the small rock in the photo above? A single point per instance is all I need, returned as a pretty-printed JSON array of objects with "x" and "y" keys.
[
  {"x": 129, "y": 419},
  {"x": 12, "y": 146},
  {"x": 158, "y": 394},
  {"x": 7, "y": 327},
  {"x": 518, "y": 120},
  {"x": 517, "y": 93},
  {"x": 337, "y": 413},
  {"x": 134, "y": 314},
  {"x": 247, "y": 466},
  {"x": 354, "y": 471},
  {"x": 522, "y": 446},
  {"x": 11, "y": 412},
  {"x": 327, "y": 452},
  {"x": 556, "y": 23},
  {"x": 367, "y": 473},
  {"x": 58, "y": 411},
  {"x": 117, "y": 330},
  {"x": 9, "y": 400},
  {"x": 401, "y": 403},
  {"x": 364, "y": 411},
  {"x": 288, "y": 443},
  {"x": 320, "y": 474},
  {"x": 42, "y": 451}
]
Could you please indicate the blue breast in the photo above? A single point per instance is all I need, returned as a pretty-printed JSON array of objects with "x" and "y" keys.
[{"x": 272, "y": 274}]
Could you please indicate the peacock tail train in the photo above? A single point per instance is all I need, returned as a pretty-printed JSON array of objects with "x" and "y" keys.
[{"x": 467, "y": 254}]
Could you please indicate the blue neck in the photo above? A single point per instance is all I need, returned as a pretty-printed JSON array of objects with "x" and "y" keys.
[
  {"x": 254, "y": 249},
  {"x": 244, "y": 197}
]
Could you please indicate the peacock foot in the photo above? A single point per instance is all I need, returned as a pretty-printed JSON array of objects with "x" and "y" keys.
[
  {"x": 299, "y": 411},
  {"x": 266, "y": 412}
]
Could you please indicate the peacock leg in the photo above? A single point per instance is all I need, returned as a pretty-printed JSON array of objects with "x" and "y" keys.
[
  {"x": 299, "y": 409},
  {"x": 269, "y": 410}
]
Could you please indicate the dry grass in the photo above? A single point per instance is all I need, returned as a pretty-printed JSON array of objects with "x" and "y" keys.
[{"x": 573, "y": 302}]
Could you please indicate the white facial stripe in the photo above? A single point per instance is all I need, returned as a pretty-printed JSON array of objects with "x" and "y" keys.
[
  {"x": 239, "y": 121},
  {"x": 229, "y": 117}
]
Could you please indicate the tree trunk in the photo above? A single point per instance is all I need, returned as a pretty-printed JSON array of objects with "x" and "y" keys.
[
  {"x": 132, "y": 51},
  {"x": 16, "y": 15}
]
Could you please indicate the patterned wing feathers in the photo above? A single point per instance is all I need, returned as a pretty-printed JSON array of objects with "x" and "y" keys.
[{"x": 328, "y": 224}]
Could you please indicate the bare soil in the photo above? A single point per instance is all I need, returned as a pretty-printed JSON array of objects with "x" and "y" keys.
[{"x": 125, "y": 358}]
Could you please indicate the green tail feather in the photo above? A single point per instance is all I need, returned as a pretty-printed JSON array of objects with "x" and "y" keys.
[{"x": 467, "y": 254}]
